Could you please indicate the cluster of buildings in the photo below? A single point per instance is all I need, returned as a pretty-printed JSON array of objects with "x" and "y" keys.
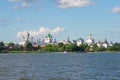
[
  {"x": 90, "y": 42},
  {"x": 37, "y": 42},
  {"x": 48, "y": 39}
]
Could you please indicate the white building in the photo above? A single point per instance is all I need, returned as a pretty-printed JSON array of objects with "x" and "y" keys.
[
  {"x": 28, "y": 38},
  {"x": 105, "y": 44},
  {"x": 111, "y": 43},
  {"x": 99, "y": 44},
  {"x": 66, "y": 41},
  {"x": 90, "y": 41},
  {"x": 25, "y": 39},
  {"x": 80, "y": 41},
  {"x": 48, "y": 39}
]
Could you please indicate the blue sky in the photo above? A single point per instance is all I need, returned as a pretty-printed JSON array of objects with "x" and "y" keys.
[{"x": 62, "y": 18}]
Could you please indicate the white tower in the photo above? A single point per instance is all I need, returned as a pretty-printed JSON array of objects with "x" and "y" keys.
[{"x": 90, "y": 40}]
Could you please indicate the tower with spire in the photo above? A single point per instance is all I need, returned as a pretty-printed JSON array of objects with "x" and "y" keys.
[{"x": 105, "y": 43}]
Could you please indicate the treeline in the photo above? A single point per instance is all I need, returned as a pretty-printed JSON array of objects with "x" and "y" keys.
[
  {"x": 115, "y": 47},
  {"x": 60, "y": 47},
  {"x": 64, "y": 47},
  {"x": 9, "y": 47}
]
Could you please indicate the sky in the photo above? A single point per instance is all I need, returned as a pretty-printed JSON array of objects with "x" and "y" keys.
[{"x": 61, "y": 18}]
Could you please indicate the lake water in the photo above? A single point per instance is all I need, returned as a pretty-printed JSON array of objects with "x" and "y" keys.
[{"x": 56, "y": 66}]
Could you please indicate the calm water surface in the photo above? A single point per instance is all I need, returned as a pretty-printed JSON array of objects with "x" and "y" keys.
[{"x": 78, "y": 66}]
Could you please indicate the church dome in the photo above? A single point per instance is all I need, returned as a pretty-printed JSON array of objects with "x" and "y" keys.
[{"x": 49, "y": 36}]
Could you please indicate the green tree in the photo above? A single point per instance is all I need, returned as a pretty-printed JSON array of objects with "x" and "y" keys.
[
  {"x": 60, "y": 44},
  {"x": 101, "y": 49},
  {"x": 11, "y": 44},
  {"x": 54, "y": 48},
  {"x": 28, "y": 46},
  {"x": 1, "y": 44},
  {"x": 68, "y": 47},
  {"x": 95, "y": 47},
  {"x": 114, "y": 48},
  {"x": 83, "y": 47},
  {"x": 61, "y": 47},
  {"x": 48, "y": 48},
  {"x": 74, "y": 47}
]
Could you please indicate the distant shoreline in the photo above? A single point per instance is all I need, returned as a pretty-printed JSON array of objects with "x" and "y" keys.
[{"x": 19, "y": 52}]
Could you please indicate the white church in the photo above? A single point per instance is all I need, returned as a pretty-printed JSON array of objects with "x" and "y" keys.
[
  {"x": 43, "y": 42},
  {"x": 90, "y": 41},
  {"x": 48, "y": 39}
]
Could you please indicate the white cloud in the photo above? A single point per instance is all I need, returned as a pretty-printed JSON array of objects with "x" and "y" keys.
[
  {"x": 74, "y": 3},
  {"x": 61, "y": 3},
  {"x": 23, "y": 3},
  {"x": 57, "y": 30},
  {"x": 116, "y": 10},
  {"x": 44, "y": 30},
  {"x": 41, "y": 32}
]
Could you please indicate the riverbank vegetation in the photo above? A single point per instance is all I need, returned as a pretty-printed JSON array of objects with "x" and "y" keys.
[{"x": 60, "y": 47}]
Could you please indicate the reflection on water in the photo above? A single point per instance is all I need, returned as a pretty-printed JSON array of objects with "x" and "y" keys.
[{"x": 59, "y": 66}]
